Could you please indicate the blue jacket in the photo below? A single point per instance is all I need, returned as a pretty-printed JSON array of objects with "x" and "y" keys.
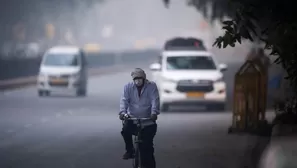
[
  {"x": 275, "y": 82},
  {"x": 140, "y": 107}
]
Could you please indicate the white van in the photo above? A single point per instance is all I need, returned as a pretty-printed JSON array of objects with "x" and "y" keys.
[
  {"x": 63, "y": 69},
  {"x": 190, "y": 77}
]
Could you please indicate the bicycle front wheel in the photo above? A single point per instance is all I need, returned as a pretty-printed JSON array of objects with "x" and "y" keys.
[{"x": 136, "y": 160}]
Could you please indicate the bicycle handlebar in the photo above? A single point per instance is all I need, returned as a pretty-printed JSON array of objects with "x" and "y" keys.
[
  {"x": 135, "y": 119},
  {"x": 128, "y": 117}
]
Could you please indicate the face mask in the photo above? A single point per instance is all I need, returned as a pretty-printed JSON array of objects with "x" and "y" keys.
[{"x": 138, "y": 82}]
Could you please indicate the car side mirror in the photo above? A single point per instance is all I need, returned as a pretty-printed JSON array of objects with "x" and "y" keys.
[
  {"x": 223, "y": 67},
  {"x": 155, "y": 67}
]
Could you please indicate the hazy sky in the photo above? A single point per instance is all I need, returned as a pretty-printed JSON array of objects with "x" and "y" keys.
[{"x": 127, "y": 21}]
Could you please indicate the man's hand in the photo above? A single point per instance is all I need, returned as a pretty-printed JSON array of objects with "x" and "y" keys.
[
  {"x": 122, "y": 116},
  {"x": 154, "y": 117}
]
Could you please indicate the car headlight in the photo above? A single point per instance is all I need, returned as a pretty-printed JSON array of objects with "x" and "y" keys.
[
  {"x": 42, "y": 76},
  {"x": 169, "y": 80},
  {"x": 221, "y": 79}
]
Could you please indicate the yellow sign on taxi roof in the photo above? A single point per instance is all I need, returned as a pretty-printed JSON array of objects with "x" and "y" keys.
[{"x": 92, "y": 47}]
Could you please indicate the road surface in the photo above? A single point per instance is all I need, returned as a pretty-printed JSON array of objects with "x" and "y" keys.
[{"x": 68, "y": 132}]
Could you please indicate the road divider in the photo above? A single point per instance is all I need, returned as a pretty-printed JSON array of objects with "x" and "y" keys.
[{"x": 23, "y": 72}]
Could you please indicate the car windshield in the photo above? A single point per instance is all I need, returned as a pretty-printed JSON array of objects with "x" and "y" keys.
[
  {"x": 190, "y": 63},
  {"x": 61, "y": 60}
]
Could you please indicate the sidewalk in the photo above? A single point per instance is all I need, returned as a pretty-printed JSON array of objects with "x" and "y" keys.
[{"x": 282, "y": 149}]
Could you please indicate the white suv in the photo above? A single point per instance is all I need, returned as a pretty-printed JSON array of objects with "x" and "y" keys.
[{"x": 190, "y": 77}]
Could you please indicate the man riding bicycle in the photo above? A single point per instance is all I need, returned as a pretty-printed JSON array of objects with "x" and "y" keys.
[{"x": 141, "y": 100}]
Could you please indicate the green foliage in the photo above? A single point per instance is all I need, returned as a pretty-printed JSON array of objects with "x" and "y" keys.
[{"x": 272, "y": 23}]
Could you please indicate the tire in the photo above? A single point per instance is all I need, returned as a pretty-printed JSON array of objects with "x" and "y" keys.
[
  {"x": 165, "y": 107},
  {"x": 217, "y": 107},
  {"x": 136, "y": 160},
  {"x": 47, "y": 93},
  {"x": 221, "y": 107},
  {"x": 42, "y": 93},
  {"x": 230, "y": 130},
  {"x": 81, "y": 93}
]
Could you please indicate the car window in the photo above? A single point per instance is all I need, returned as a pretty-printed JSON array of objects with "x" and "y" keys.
[
  {"x": 190, "y": 63},
  {"x": 61, "y": 59}
]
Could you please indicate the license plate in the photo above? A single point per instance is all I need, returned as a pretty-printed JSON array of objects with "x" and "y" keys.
[
  {"x": 195, "y": 94},
  {"x": 58, "y": 81}
]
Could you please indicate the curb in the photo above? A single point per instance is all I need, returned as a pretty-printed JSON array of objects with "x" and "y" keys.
[
  {"x": 282, "y": 141},
  {"x": 283, "y": 130},
  {"x": 254, "y": 151}
]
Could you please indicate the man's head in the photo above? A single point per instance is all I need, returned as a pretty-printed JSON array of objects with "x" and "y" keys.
[{"x": 138, "y": 76}]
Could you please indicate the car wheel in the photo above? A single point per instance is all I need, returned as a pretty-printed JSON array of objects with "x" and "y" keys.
[
  {"x": 47, "y": 93},
  {"x": 81, "y": 92},
  {"x": 164, "y": 107},
  {"x": 40, "y": 93},
  {"x": 216, "y": 107},
  {"x": 221, "y": 107}
]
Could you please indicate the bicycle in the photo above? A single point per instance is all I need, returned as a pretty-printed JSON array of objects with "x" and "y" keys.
[{"x": 137, "y": 140}]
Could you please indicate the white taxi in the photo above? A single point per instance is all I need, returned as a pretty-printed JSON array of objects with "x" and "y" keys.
[{"x": 63, "y": 68}]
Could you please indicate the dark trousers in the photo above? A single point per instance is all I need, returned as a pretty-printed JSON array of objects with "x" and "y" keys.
[{"x": 146, "y": 147}]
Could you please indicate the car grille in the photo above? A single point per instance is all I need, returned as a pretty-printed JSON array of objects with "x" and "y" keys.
[
  {"x": 59, "y": 76},
  {"x": 62, "y": 83},
  {"x": 195, "y": 86}
]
